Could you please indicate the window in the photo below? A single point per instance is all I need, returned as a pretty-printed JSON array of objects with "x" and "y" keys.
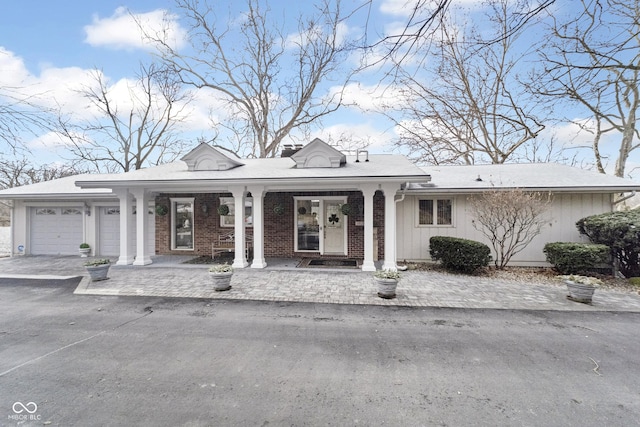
[
  {"x": 229, "y": 220},
  {"x": 45, "y": 211},
  {"x": 182, "y": 224},
  {"x": 71, "y": 211},
  {"x": 435, "y": 212}
]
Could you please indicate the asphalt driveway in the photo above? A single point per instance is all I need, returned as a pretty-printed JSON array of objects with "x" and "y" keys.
[{"x": 108, "y": 360}]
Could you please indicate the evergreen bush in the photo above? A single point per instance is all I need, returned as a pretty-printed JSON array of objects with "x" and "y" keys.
[
  {"x": 620, "y": 231},
  {"x": 459, "y": 255},
  {"x": 576, "y": 258}
]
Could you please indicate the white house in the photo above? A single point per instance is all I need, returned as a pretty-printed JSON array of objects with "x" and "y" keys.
[{"x": 312, "y": 202}]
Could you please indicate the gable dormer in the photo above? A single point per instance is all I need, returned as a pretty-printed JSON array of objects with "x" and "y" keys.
[
  {"x": 206, "y": 158},
  {"x": 318, "y": 154}
]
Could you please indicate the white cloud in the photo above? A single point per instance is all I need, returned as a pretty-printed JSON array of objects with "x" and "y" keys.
[
  {"x": 397, "y": 7},
  {"x": 122, "y": 30},
  {"x": 370, "y": 98},
  {"x": 348, "y": 136},
  {"x": 53, "y": 88}
]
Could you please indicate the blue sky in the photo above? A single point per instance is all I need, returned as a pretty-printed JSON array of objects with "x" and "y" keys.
[{"x": 51, "y": 46}]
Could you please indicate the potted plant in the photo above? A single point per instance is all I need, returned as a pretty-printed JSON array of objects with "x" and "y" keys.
[
  {"x": 387, "y": 281},
  {"x": 221, "y": 276},
  {"x": 85, "y": 249},
  {"x": 581, "y": 288},
  {"x": 98, "y": 269}
]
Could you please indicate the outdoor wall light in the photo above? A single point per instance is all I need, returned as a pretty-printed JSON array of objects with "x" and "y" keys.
[{"x": 205, "y": 208}]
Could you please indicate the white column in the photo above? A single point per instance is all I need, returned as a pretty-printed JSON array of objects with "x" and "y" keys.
[
  {"x": 143, "y": 257},
  {"x": 390, "y": 226},
  {"x": 126, "y": 227},
  {"x": 257, "y": 193},
  {"x": 240, "y": 260},
  {"x": 368, "y": 192}
]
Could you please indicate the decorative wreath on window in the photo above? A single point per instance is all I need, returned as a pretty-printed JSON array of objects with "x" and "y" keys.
[
  {"x": 278, "y": 209},
  {"x": 223, "y": 210},
  {"x": 345, "y": 209},
  {"x": 302, "y": 210},
  {"x": 161, "y": 210}
]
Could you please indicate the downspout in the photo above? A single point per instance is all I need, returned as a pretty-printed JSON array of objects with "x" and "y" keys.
[
  {"x": 404, "y": 193},
  {"x": 395, "y": 234}
]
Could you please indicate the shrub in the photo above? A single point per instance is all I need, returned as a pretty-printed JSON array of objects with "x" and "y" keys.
[
  {"x": 459, "y": 255},
  {"x": 620, "y": 231},
  {"x": 509, "y": 219},
  {"x": 574, "y": 258},
  {"x": 387, "y": 274}
]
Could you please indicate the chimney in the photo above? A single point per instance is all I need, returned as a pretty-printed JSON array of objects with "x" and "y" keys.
[{"x": 289, "y": 150}]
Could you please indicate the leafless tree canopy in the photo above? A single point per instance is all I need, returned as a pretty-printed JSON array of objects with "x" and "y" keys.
[
  {"x": 268, "y": 79},
  {"x": 21, "y": 114},
  {"x": 426, "y": 19},
  {"x": 593, "y": 62},
  {"x": 140, "y": 133},
  {"x": 510, "y": 220},
  {"x": 465, "y": 105},
  {"x": 15, "y": 173}
]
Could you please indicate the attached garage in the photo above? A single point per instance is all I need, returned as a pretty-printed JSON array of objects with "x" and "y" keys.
[
  {"x": 56, "y": 230},
  {"x": 109, "y": 231}
]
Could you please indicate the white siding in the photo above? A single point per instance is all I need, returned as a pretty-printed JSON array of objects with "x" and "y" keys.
[{"x": 413, "y": 240}]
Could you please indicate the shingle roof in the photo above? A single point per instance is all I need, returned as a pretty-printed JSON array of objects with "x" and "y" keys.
[
  {"x": 280, "y": 168},
  {"x": 533, "y": 176},
  {"x": 56, "y": 188}
]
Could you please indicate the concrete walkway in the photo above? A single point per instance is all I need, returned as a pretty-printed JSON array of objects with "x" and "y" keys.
[{"x": 282, "y": 281}]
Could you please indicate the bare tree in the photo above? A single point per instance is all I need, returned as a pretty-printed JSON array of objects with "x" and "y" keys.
[
  {"x": 466, "y": 106},
  {"x": 141, "y": 133},
  {"x": 270, "y": 81},
  {"x": 21, "y": 114},
  {"x": 424, "y": 21},
  {"x": 593, "y": 61},
  {"x": 15, "y": 173},
  {"x": 509, "y": 219}
]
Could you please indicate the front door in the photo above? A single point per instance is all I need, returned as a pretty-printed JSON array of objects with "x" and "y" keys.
[
  {"x": 334, "y": 227},
  {"x": 320, "y": 226}
]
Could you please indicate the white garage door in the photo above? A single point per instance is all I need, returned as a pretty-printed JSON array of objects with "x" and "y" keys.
[
  {"x": 109, "y": 229},
  {"x": 56, "y": 231}
]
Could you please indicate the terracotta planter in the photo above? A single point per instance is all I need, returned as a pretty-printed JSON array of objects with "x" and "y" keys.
[
  {"x": 221, "y": 281},
  {"x": 386, "y": 288},
  {"x": 580, "y": 292},
  {"x": 98, "y": 272}
]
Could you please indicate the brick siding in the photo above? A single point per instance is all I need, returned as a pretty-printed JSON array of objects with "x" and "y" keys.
[{"x": 279, "y": 231}]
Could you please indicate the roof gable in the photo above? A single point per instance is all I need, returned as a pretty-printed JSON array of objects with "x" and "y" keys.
[
  {"x": 318, "y": 154},
  {"x": 206, "y": 158}
]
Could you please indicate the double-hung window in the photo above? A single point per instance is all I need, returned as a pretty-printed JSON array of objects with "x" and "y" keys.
[{"x": 435, "y": 212}]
